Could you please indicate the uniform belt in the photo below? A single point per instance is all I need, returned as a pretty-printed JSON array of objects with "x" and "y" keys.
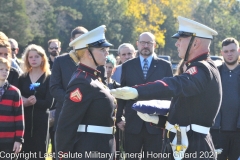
[
  {"x": 194, "y": 127},
  {"x": 95, "y": 129},
  {"x": 179, "y": 148}
]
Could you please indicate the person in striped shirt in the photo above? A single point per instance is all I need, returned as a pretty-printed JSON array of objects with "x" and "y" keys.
[{"x": 11, "y": 112}]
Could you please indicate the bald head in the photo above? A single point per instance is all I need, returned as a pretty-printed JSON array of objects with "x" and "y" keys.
[
  {"x": 147, "y": 34},
  {"x": 146, "y": 44}
]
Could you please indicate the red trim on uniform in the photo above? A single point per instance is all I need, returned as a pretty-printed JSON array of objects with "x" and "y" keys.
[
  {"x": 196, "y": 57},
  {"x": 165, "y": 84},
  {"x": 78, "y": 72},
  {"x": 86, "y": 75}
]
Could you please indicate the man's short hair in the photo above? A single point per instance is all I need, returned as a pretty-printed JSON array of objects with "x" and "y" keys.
[
  {"x": 127, "y": 45},
  {"x": 13, "y": 41},
  {"x": 78, "y": 30},
  {"x": 228, "y": 41},
  {"x": 54, "y": 40}
]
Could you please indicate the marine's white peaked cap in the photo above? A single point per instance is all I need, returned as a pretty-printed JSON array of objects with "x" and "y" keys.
[
  {"x": 94, "y": 38},
  {"x": 188, "y": 27}
]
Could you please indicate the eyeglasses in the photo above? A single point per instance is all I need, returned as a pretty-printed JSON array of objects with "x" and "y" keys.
[
  {"x": 143, "y": 43},
  {"x": 13, "y": 49},
  {"x": 53, "y": 48}
]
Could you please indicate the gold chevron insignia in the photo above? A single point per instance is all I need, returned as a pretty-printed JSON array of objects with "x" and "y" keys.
[{"x": 76, "y": 95}]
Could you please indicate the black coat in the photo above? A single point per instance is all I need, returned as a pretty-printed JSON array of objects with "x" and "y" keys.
[{"x": 62, "y": 70}]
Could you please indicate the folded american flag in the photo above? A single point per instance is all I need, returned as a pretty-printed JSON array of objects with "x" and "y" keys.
[{"x": 153, "y": 107}]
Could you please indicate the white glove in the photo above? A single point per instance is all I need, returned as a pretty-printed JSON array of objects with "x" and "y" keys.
[
  {"x": 148, "y": 118},
  {"x": 125, "y": 93}
]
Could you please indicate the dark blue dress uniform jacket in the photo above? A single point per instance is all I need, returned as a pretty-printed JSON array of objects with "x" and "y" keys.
[
  {"x": 92, "y": 105},
  {"x": 197, "y": 96}
]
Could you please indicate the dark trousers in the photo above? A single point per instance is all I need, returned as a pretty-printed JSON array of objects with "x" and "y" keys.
[
  {"x": 229, "y": 141},
  {"x": 200, "y": 147},
  {"x": 148, "y": 143},
  {"x": 52, "y": 140}
]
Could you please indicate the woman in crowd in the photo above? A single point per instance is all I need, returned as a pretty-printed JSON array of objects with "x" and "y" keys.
[
  {"x": 34, "y": 86},
  {"x": 110, "y": 65}
]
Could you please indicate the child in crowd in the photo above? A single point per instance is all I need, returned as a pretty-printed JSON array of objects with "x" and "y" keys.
[{"x": 11, "y": 113}]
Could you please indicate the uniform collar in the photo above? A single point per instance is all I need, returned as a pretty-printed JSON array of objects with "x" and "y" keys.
[
  {"x": 201, "y": 57},
  {"x": 89, "y": 70}
]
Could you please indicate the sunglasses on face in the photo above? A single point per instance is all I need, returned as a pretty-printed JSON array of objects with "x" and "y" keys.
[{"x": 53, "y": 48}]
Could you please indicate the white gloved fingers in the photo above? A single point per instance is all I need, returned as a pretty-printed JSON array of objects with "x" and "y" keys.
[
  {"x": 148, "y": 118},
  {"x": 125, "y": 93}
]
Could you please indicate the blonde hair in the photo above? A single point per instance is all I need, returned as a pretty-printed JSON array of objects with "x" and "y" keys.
[
  {"x": 44, "y": 65},
  {"x": 5, "y": 61},
  {"x": 5, "y": 44}
]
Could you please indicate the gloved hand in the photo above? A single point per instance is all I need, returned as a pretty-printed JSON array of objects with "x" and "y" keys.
[
  {"x": 148, "y": 118},
  {"x": 125, "y": 93}
]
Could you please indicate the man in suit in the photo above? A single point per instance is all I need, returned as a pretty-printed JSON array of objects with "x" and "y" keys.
[
  {"x": 62, "y": 70},
  {"x": 140, "y": 135}
]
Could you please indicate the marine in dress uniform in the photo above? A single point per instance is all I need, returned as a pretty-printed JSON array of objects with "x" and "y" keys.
[
  {"x": 85, "y": 127},
  {"x": 196, "y": 96}
]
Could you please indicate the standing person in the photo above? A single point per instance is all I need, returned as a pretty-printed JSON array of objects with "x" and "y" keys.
[
  {"x": 62, "y": 70},
  {"x": 54, "y": 49},
  {"x": 196, "y": 93},
  {"x": 140, "y": 135},
  {"x": 226, "y": 130},
  {"x": 34, "y": 86},
  {"x": 15, "y": 62},
  {"x": 6, "y": 52},
  {"x": 126, "y": 51},
  {"x": 11, "y": 113},
  {"x": 110, "y": 65},
  {"x": 86, "y": 121}
]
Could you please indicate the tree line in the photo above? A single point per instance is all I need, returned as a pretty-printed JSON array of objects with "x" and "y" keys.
[{"x": 34, "y": 21}]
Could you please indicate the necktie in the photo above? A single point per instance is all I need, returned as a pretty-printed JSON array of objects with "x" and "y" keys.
[{"x": 145, "y": 68}]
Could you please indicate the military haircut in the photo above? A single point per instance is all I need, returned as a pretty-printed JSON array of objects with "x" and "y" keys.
[{"x": 230, "y": 40}]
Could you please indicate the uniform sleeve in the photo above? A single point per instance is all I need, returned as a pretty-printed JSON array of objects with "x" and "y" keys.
[
  {"x": 190, "y": 83},
  {"x": 78, "y": 98},
  {"x": 18, "y": 117},
  {"x": 56, "y": 84}
]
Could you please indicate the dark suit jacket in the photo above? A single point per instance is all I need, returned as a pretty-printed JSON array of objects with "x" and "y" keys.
[
  {"x": 132, "y": 74},
  {"x": 62, "y": 70},
  {"x": 13, "y": 77}
]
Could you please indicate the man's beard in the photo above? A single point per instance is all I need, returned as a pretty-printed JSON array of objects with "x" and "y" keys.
[
  {"x": 54, "y": 54},
  {"x": 231, "y": 63},
  {"x": 145, "y": 53}
]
